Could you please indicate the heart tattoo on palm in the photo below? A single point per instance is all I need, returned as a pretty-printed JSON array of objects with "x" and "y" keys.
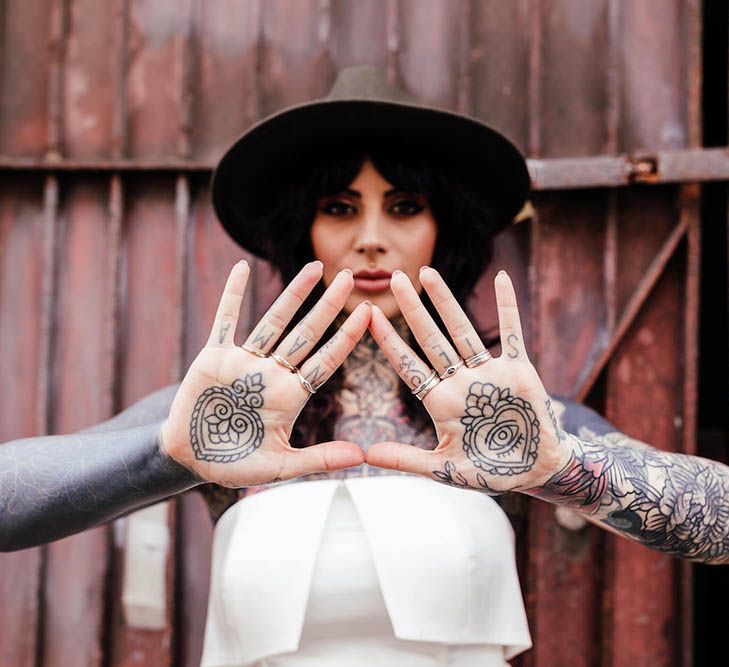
[
  {"x": 225, "y": 424},
  {"x": 502, "y": 431}
]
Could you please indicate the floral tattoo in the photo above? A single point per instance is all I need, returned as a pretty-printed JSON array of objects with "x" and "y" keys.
[
  {"x": 502, "y": 430},
  {"x": 226, "y": 425}
]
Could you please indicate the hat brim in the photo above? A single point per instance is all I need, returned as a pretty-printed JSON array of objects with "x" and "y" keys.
[{"x": 245, "y": 182}]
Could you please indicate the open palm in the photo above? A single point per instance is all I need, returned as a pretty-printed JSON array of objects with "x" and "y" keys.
[{"x": 493, "y": 421}]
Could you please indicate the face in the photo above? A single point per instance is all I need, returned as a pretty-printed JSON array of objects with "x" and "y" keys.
[{"x": 373, "y": 229}]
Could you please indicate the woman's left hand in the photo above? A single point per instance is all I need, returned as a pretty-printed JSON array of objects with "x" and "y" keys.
[{"x": 495, "y": 427}]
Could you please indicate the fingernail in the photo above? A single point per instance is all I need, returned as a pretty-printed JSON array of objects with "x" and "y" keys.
[
  {"x": 422, "y": 268},
  {"x": 349, "y": 271},
  {"x": 501, "y": 273},
  {"x": 396, "y": 272},
  {"x": 243, "y": 262},
  {"x": 369, "y": 303}
]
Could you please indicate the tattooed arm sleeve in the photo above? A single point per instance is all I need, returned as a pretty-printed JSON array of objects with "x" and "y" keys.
[
  {"x": 675, "y": 503},
  {"x": 54, "y": 486}
]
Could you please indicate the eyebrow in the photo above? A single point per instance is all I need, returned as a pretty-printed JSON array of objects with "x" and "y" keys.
[{"x": 358, "y": 195}]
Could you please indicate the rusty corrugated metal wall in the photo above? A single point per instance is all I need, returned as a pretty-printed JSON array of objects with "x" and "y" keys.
[{"x": 111, "y": 116}]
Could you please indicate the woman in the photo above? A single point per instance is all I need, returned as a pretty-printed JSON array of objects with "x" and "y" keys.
[{"x": 435, "y": 194}]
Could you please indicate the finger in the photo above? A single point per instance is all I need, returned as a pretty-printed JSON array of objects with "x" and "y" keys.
[
  {"x": 226, "y": 317},
  {"x": 406, "y": 458},
  {"x": 467, "y": 341},
  {"x": 267, "y": 331},
  {"x": 436, "y": 346},
  {"x": 409, "y": 366},
  {"x": 512, "y": 339},
  {"x": 324, "y": 457},
  {"x": 297, "y": 345},
  {"x": 320, "y": 367}
]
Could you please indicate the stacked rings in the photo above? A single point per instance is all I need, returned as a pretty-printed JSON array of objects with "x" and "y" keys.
[
  {"x": 421, "y": 391},
  {"x": 291, "y": 368},
  {"x": 477, "y": 359}
]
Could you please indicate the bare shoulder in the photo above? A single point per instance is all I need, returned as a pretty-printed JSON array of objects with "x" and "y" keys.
[{"x": 152, "y": 408}]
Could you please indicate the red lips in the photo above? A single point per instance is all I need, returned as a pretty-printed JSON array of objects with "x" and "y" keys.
[{"x": 369, "y": 280}]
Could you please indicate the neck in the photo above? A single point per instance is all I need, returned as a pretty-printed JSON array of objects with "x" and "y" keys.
[{"x": 367, "y": 370}]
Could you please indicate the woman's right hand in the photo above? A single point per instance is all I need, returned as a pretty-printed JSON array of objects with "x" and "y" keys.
[{"x": 232, "y": 416}]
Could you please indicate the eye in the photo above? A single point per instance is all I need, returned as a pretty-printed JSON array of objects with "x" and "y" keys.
[
  {"x": 406, "y": 207},
  {"x": 337, "y": 208}
]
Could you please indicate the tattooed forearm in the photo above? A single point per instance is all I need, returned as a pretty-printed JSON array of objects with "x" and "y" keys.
[
  {"x": 226, "y": 425},
  {"x": 673, "y": 503},
  {"x": 449, "y": 475},
  {"x": 54, "y": 486},
  {"x": 501, "y": 434}
]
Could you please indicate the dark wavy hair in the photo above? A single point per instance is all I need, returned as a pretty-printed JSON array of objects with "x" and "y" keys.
[{"x": 466, "y": 225}]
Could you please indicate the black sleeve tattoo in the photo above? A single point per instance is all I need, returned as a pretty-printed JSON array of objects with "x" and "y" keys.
[
  {"x": 674, "y": 503},
  {"x": 225, "y": 424},
  {"x": 54, "y": 486}
]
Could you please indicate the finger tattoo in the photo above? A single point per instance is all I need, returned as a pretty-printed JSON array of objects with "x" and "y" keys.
[
  {"x": 226, "y": 424},
  {"x": 262, "y": 338},
  {"x": 408, "y": 367},
  {"x": 510, "y": 339}
]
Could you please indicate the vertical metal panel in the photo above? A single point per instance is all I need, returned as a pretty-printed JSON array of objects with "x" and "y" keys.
[
  {"x": 499, "y": 76},
  {"x": 75, "y": 583},
  {"x": 561, "y": 77},
  {"x": 154, "y": 81},
  {"x": 24, "y": 108},
  {"x": 90, "y": 79},
  {"x": 226, "y": 82},
  {"x": 149, "y": 341},
  {"x": 21, "y": 284}
]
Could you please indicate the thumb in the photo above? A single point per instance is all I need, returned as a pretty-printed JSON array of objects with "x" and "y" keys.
[
  {"x": 406, "y": 458},
  {"x": 324, "y": 457}
]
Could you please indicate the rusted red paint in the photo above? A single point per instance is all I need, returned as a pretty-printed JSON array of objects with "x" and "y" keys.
[{"x": 599, "y": 94}]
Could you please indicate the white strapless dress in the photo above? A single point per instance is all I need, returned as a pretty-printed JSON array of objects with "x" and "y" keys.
[{"x": 388, "y": 571}]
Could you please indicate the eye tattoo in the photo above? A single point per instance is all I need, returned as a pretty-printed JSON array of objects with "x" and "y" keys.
[
  {"x": 502, "y": 431},
  {"x": 226, "y": 425}
]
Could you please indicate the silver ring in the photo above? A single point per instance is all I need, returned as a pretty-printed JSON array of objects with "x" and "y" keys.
[
  {"x": 284, "y": 362},
  {"x": 477, "y": 359},
  {"x": 421, "y": 391},
  {"x": 254, "y": 350},
  {"x": 451, "y": 370},
  {"x": 305, "y": 383}
]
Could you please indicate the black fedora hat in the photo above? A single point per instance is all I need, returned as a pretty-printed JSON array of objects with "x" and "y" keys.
[{"x": 360, "y": 106}]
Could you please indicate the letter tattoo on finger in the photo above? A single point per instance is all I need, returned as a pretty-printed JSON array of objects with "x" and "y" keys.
[
  {"x": 408, "y": 367},
  {"x": 510, "y": 339}
]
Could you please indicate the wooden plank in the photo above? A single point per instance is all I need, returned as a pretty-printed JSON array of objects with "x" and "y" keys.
[
  {"x": 21, "y": 288},
  {"x": 76, "y": 569}
]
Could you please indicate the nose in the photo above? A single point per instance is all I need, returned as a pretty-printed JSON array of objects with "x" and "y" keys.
[{"x": 370, "y": 239}]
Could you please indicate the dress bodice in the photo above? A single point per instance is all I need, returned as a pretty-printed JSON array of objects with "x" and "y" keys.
[{"x": 386, "y": 570}]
